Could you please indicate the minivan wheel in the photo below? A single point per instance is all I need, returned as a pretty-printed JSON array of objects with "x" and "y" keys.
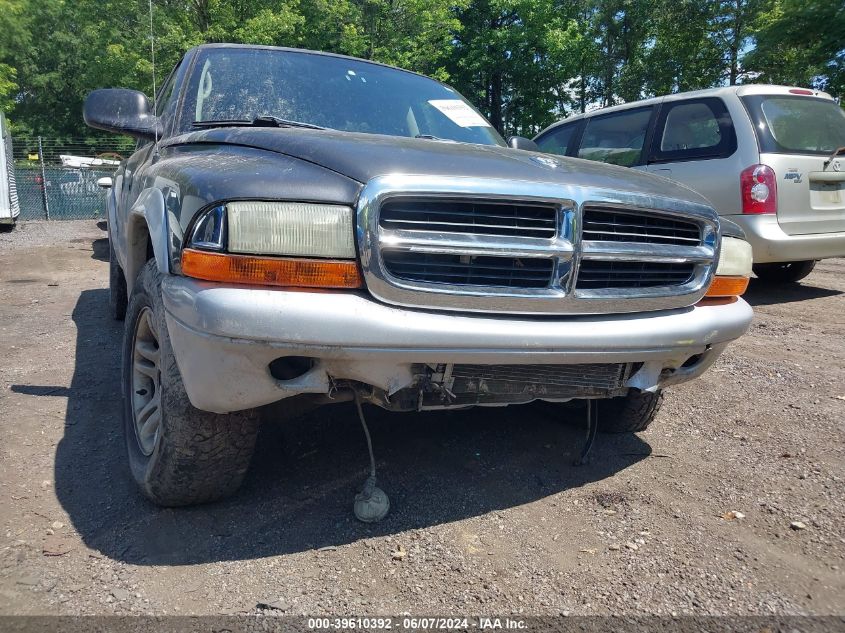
[
  {"x": 784, "y": 272},
  {"x": 629, "y": 414},
  {"x": 118, "y": 299},
  {"x": 178, "y": 455}
]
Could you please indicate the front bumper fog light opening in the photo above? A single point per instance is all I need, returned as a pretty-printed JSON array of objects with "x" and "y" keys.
[
  {"x": 290, "y": 367},
  {"x": 692, "y": 361}
]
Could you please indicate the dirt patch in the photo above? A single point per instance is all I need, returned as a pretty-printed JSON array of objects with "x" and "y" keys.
[{"x": 692, "y": 517}]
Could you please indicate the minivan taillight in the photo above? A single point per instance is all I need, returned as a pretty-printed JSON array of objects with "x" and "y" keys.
[{"x": 759, "y": 189}]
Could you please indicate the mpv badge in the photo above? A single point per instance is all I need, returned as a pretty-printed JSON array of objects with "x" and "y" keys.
[
  {"x": 794, "y": 175},
  {"x": 837, "y": 166}
]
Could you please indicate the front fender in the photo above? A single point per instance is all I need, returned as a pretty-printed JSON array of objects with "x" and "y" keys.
[{"x": 146, "y": 225}]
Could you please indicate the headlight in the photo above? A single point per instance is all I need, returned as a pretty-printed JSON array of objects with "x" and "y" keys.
[
  {"x": 735, "y": 259},
  {"x": 293, "y": 244},
  {"x": 291, "y": 228},
  {"x": 278, "y": 228},
  {"x": 732, "y": 271}
]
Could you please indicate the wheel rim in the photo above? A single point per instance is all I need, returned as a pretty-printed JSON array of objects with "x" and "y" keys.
[{"x": 146, "y": 382}]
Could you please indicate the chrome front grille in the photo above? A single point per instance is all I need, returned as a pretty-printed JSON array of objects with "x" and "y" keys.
[
  {"x": 531, "y": 248},
  {"x": 595, "y": 274},
  {"x": 470, "y": 217},
  {"x": 504, "y": 272},
  {"x": 612, "y": 225}
]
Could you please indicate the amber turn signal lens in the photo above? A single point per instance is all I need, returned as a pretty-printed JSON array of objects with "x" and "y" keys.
[
  {"x": 727, "y": 287},
  {"x": 289, "y": 272}
]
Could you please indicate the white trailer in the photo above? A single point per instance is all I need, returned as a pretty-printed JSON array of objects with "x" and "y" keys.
[{"x": 9, "y": 206}]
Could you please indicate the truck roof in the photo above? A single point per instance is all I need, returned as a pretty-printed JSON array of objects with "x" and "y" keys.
[{"x": 289, "y": 49}]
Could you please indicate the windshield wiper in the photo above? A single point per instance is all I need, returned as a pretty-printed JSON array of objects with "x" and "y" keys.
[
  {"x": 265, "y": 120},
  {"x": 431, "y": 137},
  {"x": 836, "y": 152}
]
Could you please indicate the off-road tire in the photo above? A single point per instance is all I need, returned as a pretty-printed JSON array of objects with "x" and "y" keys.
[
  {"x": 7, "y": 227},
  {"x": 784, "y": 272},
  {"x": 628, "y": 414},
  {"x": 118, "y": 299},
  {"x": 198, "y": 456}
]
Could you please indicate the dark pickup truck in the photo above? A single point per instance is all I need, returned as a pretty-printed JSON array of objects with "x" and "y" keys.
[{"x": 301, "y": 224}]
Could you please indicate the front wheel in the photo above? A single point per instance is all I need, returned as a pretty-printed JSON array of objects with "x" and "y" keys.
[
  {"x": 629, "y": 414},
  {"x": 784, "y": 272},
  {"x": 178, "y": 454}
]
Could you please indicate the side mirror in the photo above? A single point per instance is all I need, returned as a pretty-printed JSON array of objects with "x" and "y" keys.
[
  {"x": 520, "y": 142},
  {"x": 105, "y": 182},
  {"x": 122, "y": 111}
]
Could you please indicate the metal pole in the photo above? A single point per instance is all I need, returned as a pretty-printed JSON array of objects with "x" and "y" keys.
[{"x": 43, "y": 181}]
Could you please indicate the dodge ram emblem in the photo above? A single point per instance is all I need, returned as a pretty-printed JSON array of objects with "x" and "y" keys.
[{"x": 546, "y": 161}]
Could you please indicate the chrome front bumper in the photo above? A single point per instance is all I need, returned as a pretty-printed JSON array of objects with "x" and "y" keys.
[
  {"x": 771, "y": 244},
  {"x": 224, "y": 339}
]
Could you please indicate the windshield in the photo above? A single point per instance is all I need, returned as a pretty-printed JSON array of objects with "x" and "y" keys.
[
  {"x": 793, "y": 124},
  {"x": 241, "y": 84}
]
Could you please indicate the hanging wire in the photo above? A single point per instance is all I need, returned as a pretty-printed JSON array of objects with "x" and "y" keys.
[
  {"x": 367, "y": 435},
  {"x": 153, "y": 56}
]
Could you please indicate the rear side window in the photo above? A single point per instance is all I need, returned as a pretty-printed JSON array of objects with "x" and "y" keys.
[
  {"x": 796, "y": 124},
  {"x": 616, "y": 138},
  {"x": 695, "y": 129},
  {"x": 560, "y": 140}
]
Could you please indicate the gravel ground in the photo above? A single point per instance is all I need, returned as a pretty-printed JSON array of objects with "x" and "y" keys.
[
  {"x": 27, "y": 235},
  {"x": 488, "y": 514}
]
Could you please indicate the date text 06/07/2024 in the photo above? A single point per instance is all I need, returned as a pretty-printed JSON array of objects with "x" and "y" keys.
[{"x": 415, "y": 623}]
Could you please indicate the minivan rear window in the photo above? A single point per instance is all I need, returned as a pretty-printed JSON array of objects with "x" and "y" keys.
[{"x": 796, "y": 125}]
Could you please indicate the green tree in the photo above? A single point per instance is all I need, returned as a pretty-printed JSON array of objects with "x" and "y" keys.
[
  {"x": 800, "y": 42},
  {"x": 524, "y": 63},
  {"x": 621, "y": 28},
  {"x": 683, "y": 55},
  {"x": 14, "y": 27},
  {"x": 517, "y": 60},
  {"x": 732, "y": 27}
]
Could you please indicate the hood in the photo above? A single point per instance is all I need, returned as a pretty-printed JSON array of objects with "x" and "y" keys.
[{"x": 362, "y": 157}]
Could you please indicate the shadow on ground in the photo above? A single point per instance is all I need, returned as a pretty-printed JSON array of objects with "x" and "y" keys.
[
  {"x": 101, "y": 249},
  {"x": 763, "y": 294},
  {"x": 436, "y": 467}
]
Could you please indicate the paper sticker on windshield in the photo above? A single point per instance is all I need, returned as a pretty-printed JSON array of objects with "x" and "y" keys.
[{"x": 459, "y": 112}]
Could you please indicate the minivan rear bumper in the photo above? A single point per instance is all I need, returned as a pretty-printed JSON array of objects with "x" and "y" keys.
[{"x": 771, "y": 244}]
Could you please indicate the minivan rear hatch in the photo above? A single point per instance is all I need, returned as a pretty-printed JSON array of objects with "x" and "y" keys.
[{"x": 798, "y": 134}]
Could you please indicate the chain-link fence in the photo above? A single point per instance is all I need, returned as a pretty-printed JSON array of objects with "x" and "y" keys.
[{"x": 57, "y": 178}]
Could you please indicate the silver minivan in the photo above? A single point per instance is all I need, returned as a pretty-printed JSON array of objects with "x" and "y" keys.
[
  {"x": 771, "y": 158},
  {"x": 9, "y": 207}
]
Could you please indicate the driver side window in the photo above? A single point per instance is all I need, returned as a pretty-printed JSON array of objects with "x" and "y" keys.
[{"x": 165, "y": 106}]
